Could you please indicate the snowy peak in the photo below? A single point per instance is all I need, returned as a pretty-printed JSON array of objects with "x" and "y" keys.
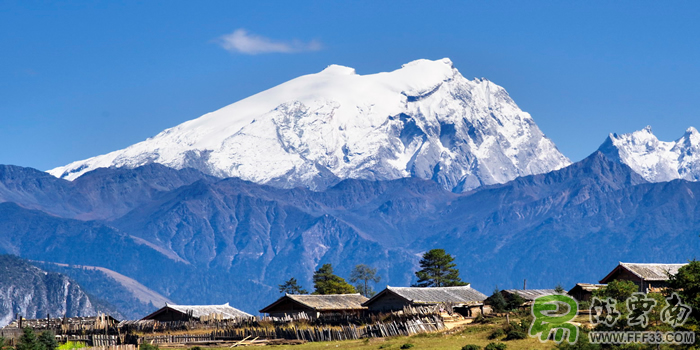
[
  {"x": 656, "y": 160},
  {"x": 338, "y": 70},
  {"x": 424, "y": 120}
]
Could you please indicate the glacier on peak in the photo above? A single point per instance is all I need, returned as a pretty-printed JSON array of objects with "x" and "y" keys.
[
  {"x": 424, "y": 120},
  {"x": 655, "y": 160}
]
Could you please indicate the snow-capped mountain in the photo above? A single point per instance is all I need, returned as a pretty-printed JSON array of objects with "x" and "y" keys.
[
  {"x": 424, "y": 120},
  {"x": 654, "y": 160}
]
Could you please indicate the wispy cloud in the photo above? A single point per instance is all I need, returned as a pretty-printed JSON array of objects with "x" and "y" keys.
[{"x": 240, "y": 41}]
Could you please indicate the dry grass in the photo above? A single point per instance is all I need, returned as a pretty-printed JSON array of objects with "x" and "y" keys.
[{"x": 472, "y": 334}]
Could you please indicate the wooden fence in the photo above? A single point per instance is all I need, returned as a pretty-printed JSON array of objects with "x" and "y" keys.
[
  {"x": 153, "y": 326},
  {"x": 11, "y": 335},
  {"x": 111, "y": 347},
  {"x": 312, "y": 334},
  {"x": 104, "y": 335}
]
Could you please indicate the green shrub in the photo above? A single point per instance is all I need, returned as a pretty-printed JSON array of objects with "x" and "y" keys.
[
  {"x": 196, "y": 348},
  {"x": 497, "y": 334},
  {"x": 496, "y": 346},
  {"x": 522, "y": 326},
  {"x": 471, "y": 347},
  {"x": 69, "y": 345},
  {"x": 407, "y": 346},
  {"x": 48, "y": 340},
  {"x": 384, "y": 346},
  {"x": 148, "y": 347},
  {"x": 479, "y": 319},
  {"x": 29, "y": 341},
  {"x": 515, "y": 335}
]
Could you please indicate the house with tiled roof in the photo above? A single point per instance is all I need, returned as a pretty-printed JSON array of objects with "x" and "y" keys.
[
  {"x": 649, "y": 277},
  {"x": 462, "y": 299},
  {"x": 173, "y": 312},
  {"x": 316, "y": 305}
]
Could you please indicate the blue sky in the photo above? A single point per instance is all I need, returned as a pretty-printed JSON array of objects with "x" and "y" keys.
[{"x": 78, "y": 79}]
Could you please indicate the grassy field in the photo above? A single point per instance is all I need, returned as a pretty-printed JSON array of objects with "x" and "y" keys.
[{"x": 471, "y": 334}]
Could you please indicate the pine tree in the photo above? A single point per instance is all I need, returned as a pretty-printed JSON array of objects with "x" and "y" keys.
[
  {"x": 292, "y": 287},
  {"x": 29, "y": 341},
  {"x": 438, "y": 270},
  {"x": 687, "y": 283},
  {"x": 48, "y": 340},
  {"x": 363, "y": 273},
  {"x": 497, "y": 301},
  {"x": 325, "y": 282}
]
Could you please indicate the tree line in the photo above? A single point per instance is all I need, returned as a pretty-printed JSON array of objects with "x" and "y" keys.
[{"x": 437, "y": 269}]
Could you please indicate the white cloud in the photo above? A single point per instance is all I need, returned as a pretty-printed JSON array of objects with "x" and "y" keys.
[{"x": 240, "y": 41}]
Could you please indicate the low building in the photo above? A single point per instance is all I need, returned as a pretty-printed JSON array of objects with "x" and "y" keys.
[
  {"x": 172, "y": 312},
  {"x": 648, "y": 277},
  {"x": 463, "y": 299},
  {"x": 315, "y": 306},
  {"x": 584, "y": 291},
  {"x": 529, "y": 295}
]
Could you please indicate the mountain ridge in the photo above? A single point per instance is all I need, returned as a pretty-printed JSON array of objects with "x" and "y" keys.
[
  {"x": 31, "y": 292},
  {"x": 655, "y": 160},
  {"x": 423, "y": 120},
  {"x": 235, "y": 240}
]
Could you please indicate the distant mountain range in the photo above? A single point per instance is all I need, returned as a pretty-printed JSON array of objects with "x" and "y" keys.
[
  {"x": 346, "y": 169},
  {"x": 30, "y": 292},
  {"x": 228, "y": 240}
]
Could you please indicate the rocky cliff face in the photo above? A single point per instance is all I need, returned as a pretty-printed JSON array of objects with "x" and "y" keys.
[{"x": 33, "y": 293}]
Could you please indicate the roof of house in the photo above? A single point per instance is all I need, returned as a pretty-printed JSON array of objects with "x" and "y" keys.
[
  {"x": 531, "y": 294},
  {"x": 648, "y": 272},
  {"x": 323, "y": 302},
  {"x": 433, "y": 295},
  {"x": 198, "y": 311},
  {"x": 589, "y": 287}
]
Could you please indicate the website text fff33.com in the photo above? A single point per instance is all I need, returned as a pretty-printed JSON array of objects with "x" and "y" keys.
[{"x": 646, "y": 337}]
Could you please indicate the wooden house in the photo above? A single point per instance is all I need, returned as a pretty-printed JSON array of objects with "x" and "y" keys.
[
  {"x": 584, "y": 291},
  {"x": 648, "y": 277},
  {"x": 529, "y": 295},
  {"x": 463, "y": 299},
  {"x": 172, "y": 312},
  {"x": 316, "y": 305}
]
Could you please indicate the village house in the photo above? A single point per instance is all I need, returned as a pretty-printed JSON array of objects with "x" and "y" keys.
[
  {"x": 584, "y": 291},
  {"x": 463, "y": 299},
  {"x": 529, "y": 295},
  {"x": 172, "y": 312},
  {"x": 315, "y": 306},
  {"x": 648, "y": 277}
]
